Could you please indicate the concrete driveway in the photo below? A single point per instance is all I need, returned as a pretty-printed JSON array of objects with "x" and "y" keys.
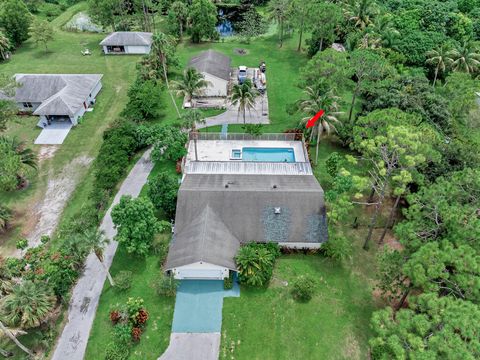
[{"x": 54, "y": 134}]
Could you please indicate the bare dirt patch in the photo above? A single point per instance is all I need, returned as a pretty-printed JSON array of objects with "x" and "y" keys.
[
  {"x": 351, "y": 349},
  {"x": 48, "y": 211},
  {"x": 47, "y": 152}
]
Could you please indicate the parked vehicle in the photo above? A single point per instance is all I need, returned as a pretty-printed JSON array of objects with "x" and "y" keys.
[{"x": 242, "y": 74}]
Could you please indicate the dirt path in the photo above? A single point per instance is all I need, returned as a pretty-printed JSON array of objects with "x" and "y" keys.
[{"x": 59, "y": 189}]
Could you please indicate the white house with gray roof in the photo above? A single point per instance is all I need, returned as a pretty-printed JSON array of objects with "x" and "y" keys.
[
  {"x": 57, "y": 97},
  {"x": 127, "y": 42},
  {"x": 237, "y": 188},
  {"x": 216, "y": 69}
]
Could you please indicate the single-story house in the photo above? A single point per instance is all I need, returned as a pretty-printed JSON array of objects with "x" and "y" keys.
[
  {"x": 57, "y": 97},
  {"x": 127, "y": 42},
  {"x": 217, "y": 213},
  {"x": 216, "y": 69}
]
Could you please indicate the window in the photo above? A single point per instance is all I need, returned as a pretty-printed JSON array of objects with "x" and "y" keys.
[{"x": 27, "y": 105}]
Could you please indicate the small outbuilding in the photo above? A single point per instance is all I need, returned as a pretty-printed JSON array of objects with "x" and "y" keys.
[
  {"x": 216, "y": 69},
  {"x": 127, "y": 42}
]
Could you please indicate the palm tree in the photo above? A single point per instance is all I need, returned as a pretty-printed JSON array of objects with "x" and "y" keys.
[
  {"x": 162, "y": 48},
  {"x": 318, "y": 98},
  {"x": 192, "y": 83},
  {"x": 244, "y": 96},
  {"x": 28, "y": 304},
  {"x": 96, "y": 241},
  {"x": 5, "y": 217},
  {"x": 192, "y": 118},
  {"x": 4, "y": 46},
  {"x": 27, "y": 156},
  {"x": 440, "y": 58},
  {"x": 466, "y": 58},
  {"x": 360, "y": 12},
  {"x": 253, "y": 264},
  {"x": 12, "y": 335},
  {"x": 278, "y": 12}
]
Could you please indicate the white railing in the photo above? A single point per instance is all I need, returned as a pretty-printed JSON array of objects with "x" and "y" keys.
[
  {"x": 248, "y": 168},
  {"x": 242, "y": 136}
]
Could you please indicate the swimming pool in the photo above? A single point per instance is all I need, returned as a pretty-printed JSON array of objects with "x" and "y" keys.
[{"x": 268, "y": 154}]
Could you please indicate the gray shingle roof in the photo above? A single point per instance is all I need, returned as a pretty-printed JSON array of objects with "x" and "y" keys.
[
  {"x": 128, "y": 38},
  {"x": 245, "y": 205},
  {"x": 59, "y": 94},
  {"x": 205, "y": 239},
  {"x": 212, "y": 62}
]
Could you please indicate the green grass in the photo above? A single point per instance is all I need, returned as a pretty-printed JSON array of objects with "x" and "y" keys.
[
  {"x": 269, "y": 324},
  {"x": 155, "y": 339}
]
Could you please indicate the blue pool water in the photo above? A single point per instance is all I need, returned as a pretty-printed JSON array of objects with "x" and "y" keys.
[{"x": 268, "y": 154}]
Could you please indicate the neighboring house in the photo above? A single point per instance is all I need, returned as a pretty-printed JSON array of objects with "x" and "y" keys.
[
  {"x": 215, "y": 67},
  {"x": 224, "y": 203},
  {"x": 57, "y": 97},
  {"x": 127, "y": 42}
]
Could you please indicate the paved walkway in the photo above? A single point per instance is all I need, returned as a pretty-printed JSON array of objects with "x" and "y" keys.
[
  {"x": 86, "y": 294},
  {"x": 197, "y": 320},
  {"x": 54, "y": 134}
]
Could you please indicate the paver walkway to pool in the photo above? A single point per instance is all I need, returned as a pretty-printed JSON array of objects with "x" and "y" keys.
[{"x": 197, "y": 320}]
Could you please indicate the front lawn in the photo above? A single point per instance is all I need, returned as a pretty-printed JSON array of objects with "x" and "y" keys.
[{"x": 269, "y": 324}]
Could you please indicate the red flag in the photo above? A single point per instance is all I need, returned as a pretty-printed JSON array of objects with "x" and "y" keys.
[{"x": 314, "y": 119}]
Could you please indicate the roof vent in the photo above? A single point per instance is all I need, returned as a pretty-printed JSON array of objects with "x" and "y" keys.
[
  {"x": 277, "y": 210},
  {"x": 226, "y": 186},
  {"x": 274, "y": 186}
]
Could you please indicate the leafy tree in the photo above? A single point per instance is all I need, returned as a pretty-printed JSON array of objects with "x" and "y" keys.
[
  {"x": 136, "y": 224},
  {"x": 435, "y": 328},
  {"x": 28, "y": 305},
  {"x": 162, "y": 191},
  {"x": 441, "y": 59},
  {"x": 252, "y": 24},
  {"x": 392, "y": 281},
  {"x": 320, "y": 98},
  {"x": 191, "y": 84},
  {"x": 330, "y": 67},
  {"x": 8, "y": 108},
  {"x": 143, "y": 101},
  {"x": 244, "y": 95},
  {"x": 202, "y": 17},
  {"x": 15, "y": 20},
  {"x": 41, "y": 32},
  {"x": 367, "y": 66},
  {"x": 302, "y": 17},
  {"x": 4, "y": 46},
  {"x": 326, "y": 17},
  {"x": 168, "y": 143},
  {"x": 177, "y": 18},
  {"x": 394, "y": 158},
  {"x": 466, "y": 58},
  {"x": 278, "y": 11}
]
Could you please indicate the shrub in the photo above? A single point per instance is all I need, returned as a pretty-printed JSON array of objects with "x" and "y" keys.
[
  {"x": 255, "y": 263},
  {"x": 338, "y": 247},
  {"x": 143, "y": 101},
  {"x": 142, "y": 317},
  {"x": 115, "y": 351},
  {"x": 122, "y": 333},
  {"x": 167, "y": 285},
  {"x": 22, "y": 244},
  {"x": 136, "y": 333},
  {"x": 303, "y": 288},
  {"x": 228, "y": 282},
  {"x": 160, "y": 246},
  {"x": 333, "y": 163},
  {"x": 115, "y": 316},
  {"x": 162, "y": 190},
  {"x": 123, "y": 280}
]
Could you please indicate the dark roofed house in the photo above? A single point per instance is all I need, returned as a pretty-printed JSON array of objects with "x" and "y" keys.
[
  {"x": 216, "y": 69},
  {"x": 127, "y": 42},
  {"x": 262, "y": 201}
]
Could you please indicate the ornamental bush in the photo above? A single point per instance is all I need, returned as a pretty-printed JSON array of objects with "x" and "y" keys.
[
  {"x": 303, "y": 288},
  {"x": 255, "y": 263},
  {"x": 167, "y": 285},
  {"x": 123, "y": 280}
]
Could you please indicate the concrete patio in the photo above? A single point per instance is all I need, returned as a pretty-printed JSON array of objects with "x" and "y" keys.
[{"x": 54, "y": 134}]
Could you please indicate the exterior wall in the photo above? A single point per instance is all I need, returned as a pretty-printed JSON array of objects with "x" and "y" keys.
[
  {"x": 137, "y": 49},
  {"x": 95, "y": 91},
  {"x": 300, "y": 245},
  {"x": 188, "y": 271},
  {"x": 42, "y": 120},
  {"x": 77, "y": 115},
  {"x": 218, "y": 87}
]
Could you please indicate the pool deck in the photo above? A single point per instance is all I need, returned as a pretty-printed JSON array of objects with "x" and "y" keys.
[{"x": 221, "y": 150}]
